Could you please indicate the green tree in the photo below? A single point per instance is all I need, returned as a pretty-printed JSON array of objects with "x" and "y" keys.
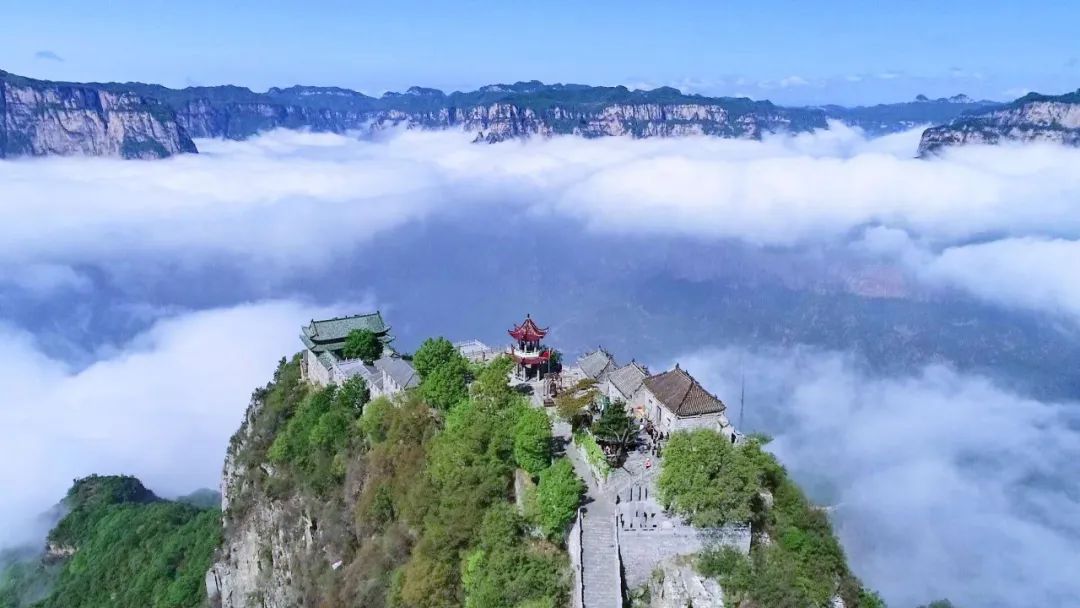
[
  {"x": 871, "y": 599},
  {"x": 616, "y": 430},
  {"x": 492, "y": 386},
  {"x": 431, "y": 354},
  {"x": 558, "y": 495},
  {"x": 363, "y": 344},
  {"x": 447, "y": 385},
  {"x": 532, "y": 440},
  {"x": 505, "y": 572},
  {"x": 707, "y": 479},
  {"x": 573, "y": 405},
  {"x": 353, "y": 394}
]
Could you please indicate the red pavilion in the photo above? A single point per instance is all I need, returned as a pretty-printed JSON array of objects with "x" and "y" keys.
[{"x": 532, "y": 359}]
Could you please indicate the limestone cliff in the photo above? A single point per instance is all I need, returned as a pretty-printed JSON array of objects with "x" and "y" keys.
[
  {"x": 39, "y": 118},
  {"x": 277, "y": 544},
  {"x": 1032, "y": 118},
  {"x": 138, "y": 120},
  {"x": 676, "y": 584},
  {"x": 494, "y": 113}
]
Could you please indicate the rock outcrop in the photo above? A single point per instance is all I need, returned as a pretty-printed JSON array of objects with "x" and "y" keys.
[
  {"x": 40, "y": 118},
  {"x": 137, "y": 120},
  {"x": 1032, "y": 118},
  {"x": 494, "y": 113},
  {"x": 676, "y": 584},
  {"x": 274, "y": 547}
]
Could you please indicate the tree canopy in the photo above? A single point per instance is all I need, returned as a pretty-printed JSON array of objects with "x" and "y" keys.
[
  {"x": 132, "y": 550},
  {"x": 363, "y": 344},
  {"x": 448, "y": 384},
  {"x": 532, "y": 440},
  {"x": 431, "y": 354},
  {"x": 712, "y": 482},
  {"x": 707, "y": 479},
  {"x": 558, "y": 496}
]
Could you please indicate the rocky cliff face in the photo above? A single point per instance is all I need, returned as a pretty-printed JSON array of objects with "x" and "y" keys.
[
  {"x": 493, "y": 114},
  {"x": 1031, "y": 118},
  {"x": 676, "y": 584},
  {"x": 276, "y": 544},
  {"x": 39, "y": 118}
]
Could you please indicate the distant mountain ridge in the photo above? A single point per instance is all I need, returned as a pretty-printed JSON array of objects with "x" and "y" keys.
[
  {"x": 495, "y": 112},
  {"x": 886, "y": 118},
  {"x": 1033, "y": 117},
  {"x": 139, "y": 120},
  {"x": 40, "y": 118}
]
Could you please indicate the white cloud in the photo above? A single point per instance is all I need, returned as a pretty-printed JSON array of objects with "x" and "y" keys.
[
  {"x": 161, "y": 407},
  {"x": 44, "y": 280},
  {"x": 289, "y": 202},
  {"x": 793, "y": 81},
  {"x": 1038, "y": 274},
  {"x": 943, "y": 485}
]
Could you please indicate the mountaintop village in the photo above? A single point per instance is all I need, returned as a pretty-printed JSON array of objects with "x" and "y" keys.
[{"x": 621, "y": 533}]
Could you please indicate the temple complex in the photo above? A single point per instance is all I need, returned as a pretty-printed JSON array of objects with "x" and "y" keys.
[
  {"x": 533, "y": 359},
  {"x": 324, "y": 361}
]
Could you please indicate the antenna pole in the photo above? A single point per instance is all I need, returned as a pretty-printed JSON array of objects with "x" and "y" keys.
[{"x": 742, "y": 398}]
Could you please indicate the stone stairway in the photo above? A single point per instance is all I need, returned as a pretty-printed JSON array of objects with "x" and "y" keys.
[{"x": 601, "y": 579}]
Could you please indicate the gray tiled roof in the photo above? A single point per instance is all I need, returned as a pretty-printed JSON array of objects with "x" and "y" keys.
[
  {"x": 595, "y": 363},
  {"x": 682, "y": 395},
  {"x": 356, "y": 367},
  {"x": 628, "y": 378},
  {"x": 398, "y": 369},
  {"x": 338, "y": 328},
  {"x": 327, "y": 360}
]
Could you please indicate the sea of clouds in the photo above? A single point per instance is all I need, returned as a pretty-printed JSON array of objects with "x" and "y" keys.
[
  {"x": 290, "y": 201},
  {"x": 942, "y": 484}
]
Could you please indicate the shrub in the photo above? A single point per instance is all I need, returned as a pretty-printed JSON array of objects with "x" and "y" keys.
[
  {"x": 593, "y": 454},
  {"x": 315, "y": 439},
  {"x": 558, "y": 496},
  {"x": 503, "y": 571},
  {"x": 532, "y": 440}
]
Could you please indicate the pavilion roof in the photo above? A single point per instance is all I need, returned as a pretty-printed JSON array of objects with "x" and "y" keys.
[
  {"x": 528, "y": 331},
  {"x": 683, "y": 395}
]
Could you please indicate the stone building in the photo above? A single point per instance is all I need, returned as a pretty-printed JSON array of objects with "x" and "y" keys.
[
  {"x": 324, "y": 362},
  {"x": 675, "y": 401},
  {"x": 597, "y": 365},
  {"x": 624, "y": 382}
]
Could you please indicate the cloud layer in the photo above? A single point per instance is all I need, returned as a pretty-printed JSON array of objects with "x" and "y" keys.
[
  {"x": 288, "y": 202},
  {"x": 941, "y": 484},
  {"x": 160, "y": 407}
]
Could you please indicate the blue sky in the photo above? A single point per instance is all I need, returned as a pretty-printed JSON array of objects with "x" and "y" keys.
[{"x": 791, "y": 52}]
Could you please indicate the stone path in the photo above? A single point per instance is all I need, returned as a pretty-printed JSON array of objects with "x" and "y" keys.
[
  {"x": 600, "y": 575},
  {"x": 601, "y": 580}
]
